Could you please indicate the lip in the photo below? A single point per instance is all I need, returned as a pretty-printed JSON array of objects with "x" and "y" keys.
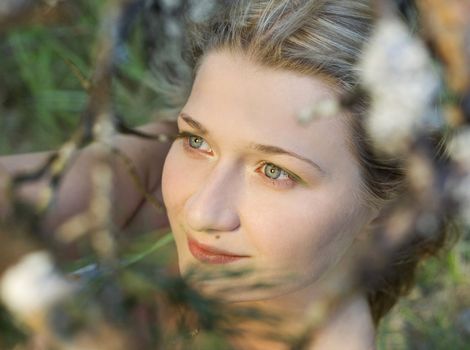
[{"x": 211, "y": 255}]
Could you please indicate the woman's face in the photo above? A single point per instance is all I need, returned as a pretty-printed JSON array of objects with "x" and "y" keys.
[{"x": 248, "y": 186}]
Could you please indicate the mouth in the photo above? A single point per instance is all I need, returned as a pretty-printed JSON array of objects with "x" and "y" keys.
[{"x": 211, "y": 255}]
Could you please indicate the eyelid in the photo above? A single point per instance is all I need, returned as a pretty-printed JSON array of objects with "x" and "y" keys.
[
  {"x": 182, "y": 134},
  {"x": 292, "y": 175}
]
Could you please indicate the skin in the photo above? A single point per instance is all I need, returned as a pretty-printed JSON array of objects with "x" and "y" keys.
[
  {"x": 217, "y": 189},
  {"x": 131, "y": 211}
]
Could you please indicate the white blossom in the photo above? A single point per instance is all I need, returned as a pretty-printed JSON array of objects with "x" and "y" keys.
[
  {"x": 459, "y": 147},
  {"x": 32, "y": 285},
  {"x": 326, "y": 107},
  {"x": 398, "y": 72}
]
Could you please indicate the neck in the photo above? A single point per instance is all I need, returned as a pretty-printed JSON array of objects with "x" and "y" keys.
[{"x": 328, "y": 323}]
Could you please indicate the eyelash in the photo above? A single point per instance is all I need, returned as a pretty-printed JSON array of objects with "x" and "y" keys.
[{"x": 293, "y": 179}]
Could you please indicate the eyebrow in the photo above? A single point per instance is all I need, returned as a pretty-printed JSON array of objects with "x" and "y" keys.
[{"x": 267, "y": 149}]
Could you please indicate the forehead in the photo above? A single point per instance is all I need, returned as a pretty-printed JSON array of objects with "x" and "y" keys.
[
  {"x": 245, "y": 101},
  {"x": 256, "y": 88}
]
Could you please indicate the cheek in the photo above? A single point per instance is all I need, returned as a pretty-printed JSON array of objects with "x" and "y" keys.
[
  {"x": 180, "y": 177},
  {"x": 177, "y": 185},
  {"x": 308, "y": 236},
  {"x": 172, "y": 179}
]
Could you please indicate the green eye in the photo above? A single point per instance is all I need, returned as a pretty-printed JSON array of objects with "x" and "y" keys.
[
  {"x": 277, "y": 177},
  {"x": 272, "y": 171},
  {"x": 195, "y": 141}
]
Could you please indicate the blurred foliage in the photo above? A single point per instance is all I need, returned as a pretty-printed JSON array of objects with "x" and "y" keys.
[
  {"x": 41, "y": 100},
  {"x": 431, "y": 317},
  {"x": 41, "y": 67}
]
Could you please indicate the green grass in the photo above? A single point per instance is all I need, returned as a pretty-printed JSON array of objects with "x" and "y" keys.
[
  {"x": 42, "y": 98},
  {"x": 429, "y": 317}
]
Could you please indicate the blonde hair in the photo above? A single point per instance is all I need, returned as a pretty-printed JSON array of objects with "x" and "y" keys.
[{"x": 319, "y": 37}]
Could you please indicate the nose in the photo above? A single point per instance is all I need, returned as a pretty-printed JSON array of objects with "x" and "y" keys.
[{"x": 213, "y": 206}]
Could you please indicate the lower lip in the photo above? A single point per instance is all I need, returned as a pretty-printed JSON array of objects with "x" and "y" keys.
[{"x": 209, "y": 257}]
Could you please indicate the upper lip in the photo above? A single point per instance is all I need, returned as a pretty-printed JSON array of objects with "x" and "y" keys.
[{"x": 213, "y": 250}]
